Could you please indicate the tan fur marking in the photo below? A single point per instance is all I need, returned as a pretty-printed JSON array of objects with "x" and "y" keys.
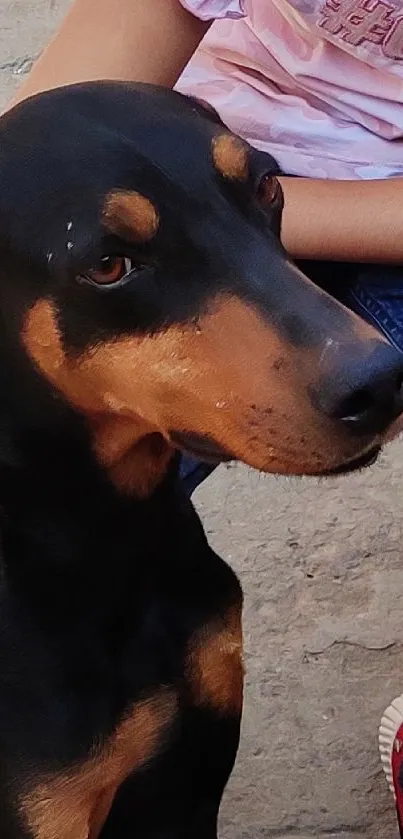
[
  {"x": 135, "y": 457},
  {"x": 75, "y": 804},
  {"x": 230, "y": 156},
  {"x": 134, "y": 453},
  {"x": 131, "y": 216},
  {"x": 215, "y": 666},
  {"x": 230, "y": 376}
]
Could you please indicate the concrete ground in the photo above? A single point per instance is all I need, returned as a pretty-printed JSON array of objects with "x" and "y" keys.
[{"x": 322, "y": 572}]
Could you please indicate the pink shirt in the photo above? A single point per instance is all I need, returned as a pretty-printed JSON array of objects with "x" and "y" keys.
[{"x": 317, "y": 83}]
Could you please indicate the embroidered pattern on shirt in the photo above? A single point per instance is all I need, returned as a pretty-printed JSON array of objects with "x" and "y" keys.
[{"x": 365, "y": 21}]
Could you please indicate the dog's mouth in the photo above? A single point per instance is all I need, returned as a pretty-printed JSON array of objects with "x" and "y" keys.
[
  {"x": 200, "y": 446},
  {"x": 361, "y": 462}
]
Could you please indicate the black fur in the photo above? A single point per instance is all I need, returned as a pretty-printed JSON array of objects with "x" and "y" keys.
[{"x": 100, "y": 593}]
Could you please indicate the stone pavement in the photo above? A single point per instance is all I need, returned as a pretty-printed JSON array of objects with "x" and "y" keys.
[{"x": 321, "y": 564}]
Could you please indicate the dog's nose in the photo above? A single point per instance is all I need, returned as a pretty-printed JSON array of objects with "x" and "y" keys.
[{"x": 364, "y": 391}]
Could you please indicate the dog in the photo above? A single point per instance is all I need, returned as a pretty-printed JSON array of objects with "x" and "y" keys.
[{"x": 147, "y": 308}]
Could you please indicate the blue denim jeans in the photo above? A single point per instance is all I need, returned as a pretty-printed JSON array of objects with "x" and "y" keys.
[{"x": 375, "y": 292}]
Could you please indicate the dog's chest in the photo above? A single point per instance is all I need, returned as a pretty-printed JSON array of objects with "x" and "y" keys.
[
  {"x": 207, "y": 673},
  {"x": 74, "y": 804}
]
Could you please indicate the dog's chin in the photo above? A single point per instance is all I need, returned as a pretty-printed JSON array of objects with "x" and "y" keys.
[
  {"x": 204, "y": 448},
  {"x": 362, "y": 462}
]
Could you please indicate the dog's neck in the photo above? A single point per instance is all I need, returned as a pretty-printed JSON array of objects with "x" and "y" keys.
[{"x": 61, "y": 514}]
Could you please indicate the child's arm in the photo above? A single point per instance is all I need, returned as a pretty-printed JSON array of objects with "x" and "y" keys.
[
  {"x": 351, "y": 221},
  {"x": 145, "y": 40},
  {"x": 152, "y": 40}
]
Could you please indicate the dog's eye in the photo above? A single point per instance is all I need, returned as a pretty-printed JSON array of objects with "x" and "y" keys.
[
  {"x": 110, "y": 269},
  {"x": 268, "y": 190}
]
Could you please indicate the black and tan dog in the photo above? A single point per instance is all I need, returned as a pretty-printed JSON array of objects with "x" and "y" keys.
[{"x": 146, "y": 306}]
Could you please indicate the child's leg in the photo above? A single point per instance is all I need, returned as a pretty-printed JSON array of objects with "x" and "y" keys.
[
  {"x": 192, "y": 473},
  {"x": 137, "y": 40},
  {"x": 375, "y": 292}
]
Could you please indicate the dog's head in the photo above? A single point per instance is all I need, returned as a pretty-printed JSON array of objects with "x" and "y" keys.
[{"x": 141, "y": 263}]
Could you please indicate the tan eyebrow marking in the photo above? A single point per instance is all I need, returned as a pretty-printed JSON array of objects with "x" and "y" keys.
[
  {"x": 130, "y": 215},
  {"x": 230, "y": 157}
]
